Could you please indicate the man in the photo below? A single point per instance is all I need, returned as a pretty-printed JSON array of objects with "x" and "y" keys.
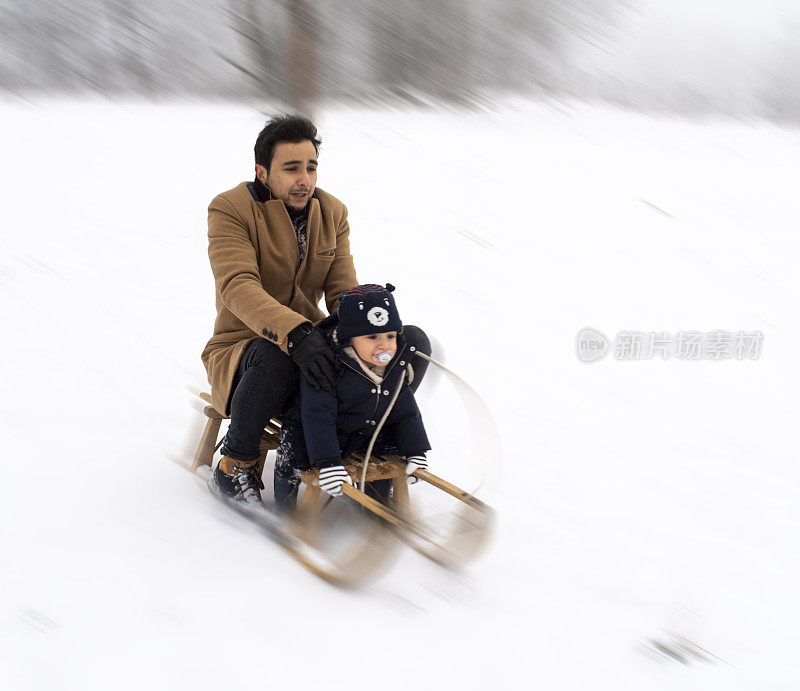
[{"x": 277, "y": 245}]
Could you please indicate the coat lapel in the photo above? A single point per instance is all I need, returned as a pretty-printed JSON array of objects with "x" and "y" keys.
[
  {"x": 313, "y": 227},
  {"x": 279, "y": 230}
]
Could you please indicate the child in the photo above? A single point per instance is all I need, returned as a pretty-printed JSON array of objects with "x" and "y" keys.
[{"x": 322, "y": 427}]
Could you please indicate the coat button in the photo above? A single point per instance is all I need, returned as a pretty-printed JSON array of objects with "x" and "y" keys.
[
  {"x": 372, "y": 391},
  {"x": 366, "y": 422},
  {"x": 402, "y": 362},
  {"x": 412, "y": 349},
  {"x": 385, "y": 393},
  {"x": 372, "y": 422},
  {"x": 265, "y": 332}
]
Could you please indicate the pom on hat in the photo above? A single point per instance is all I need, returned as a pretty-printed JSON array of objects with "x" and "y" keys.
[{"x": 367, "y": 309}]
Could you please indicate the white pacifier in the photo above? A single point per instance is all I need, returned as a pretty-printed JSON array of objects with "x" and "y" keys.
[{"x": 384, "y": 357}]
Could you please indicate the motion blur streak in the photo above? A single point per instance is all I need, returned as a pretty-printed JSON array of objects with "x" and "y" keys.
[{"x": 740, "y": 58}]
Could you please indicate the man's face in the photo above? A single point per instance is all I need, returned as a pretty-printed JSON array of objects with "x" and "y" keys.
[{"x": 292, "y": 175}]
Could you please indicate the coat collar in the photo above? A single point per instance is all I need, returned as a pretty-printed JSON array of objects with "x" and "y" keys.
[
  {"x": 374, "y": 376},
  {"x": 261, "y": 193},
  {"x": 283, "y": 221}
]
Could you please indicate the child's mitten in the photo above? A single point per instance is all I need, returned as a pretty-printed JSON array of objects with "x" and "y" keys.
[
  {"x": 331, "y": 479},
  {"x": 414, "y": 463}
]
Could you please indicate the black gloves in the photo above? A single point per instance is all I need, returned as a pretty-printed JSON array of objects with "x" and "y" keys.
[{"x": 310, "y": 352}]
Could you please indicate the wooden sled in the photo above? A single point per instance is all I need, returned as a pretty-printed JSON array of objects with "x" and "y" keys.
[{"x": 372, "y": 551}]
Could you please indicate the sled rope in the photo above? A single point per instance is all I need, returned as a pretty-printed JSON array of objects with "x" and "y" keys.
[
  {"x": 467, "y": 393},
  {"x": 480, "y": 417},
  {"x": 378, "y": 429}
]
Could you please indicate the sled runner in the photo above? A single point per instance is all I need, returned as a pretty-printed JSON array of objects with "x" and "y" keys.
[{"x": 305, "y": 537}]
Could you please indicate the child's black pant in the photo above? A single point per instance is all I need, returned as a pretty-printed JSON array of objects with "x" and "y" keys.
[{"x": 292, "y": 459}]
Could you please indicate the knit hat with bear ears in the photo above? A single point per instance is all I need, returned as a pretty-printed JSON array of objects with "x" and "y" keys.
[{"x": 367, "y": 309}]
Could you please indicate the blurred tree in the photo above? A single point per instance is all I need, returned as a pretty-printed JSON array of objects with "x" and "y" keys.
[
  {"x": 280, "y": 41},
  {"x": 304, "y": 91},
  {"x": 300, "y": 52},
  {"x": 262, "y": 29},
  {"x": 134, "y": 45},
  {"x": 780, "y": 94},
  {"x": 421, "y": 49}
]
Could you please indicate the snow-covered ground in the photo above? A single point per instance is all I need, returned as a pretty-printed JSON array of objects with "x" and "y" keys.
[{"x": 648, "y": 510}]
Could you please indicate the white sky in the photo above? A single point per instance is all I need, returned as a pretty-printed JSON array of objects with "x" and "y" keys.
[{"x": 702, "y": 42}]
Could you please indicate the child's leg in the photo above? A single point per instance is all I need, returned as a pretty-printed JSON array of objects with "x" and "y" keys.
[
  {"x": 291, "y": 459},
  {"x": 381, "y": 490}
]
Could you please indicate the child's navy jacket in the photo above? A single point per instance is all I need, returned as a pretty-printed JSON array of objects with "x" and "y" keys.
[{"x": 337, "y": 423}]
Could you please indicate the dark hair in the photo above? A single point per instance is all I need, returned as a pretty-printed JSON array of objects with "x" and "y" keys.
[{"x": 283, "y": 128}]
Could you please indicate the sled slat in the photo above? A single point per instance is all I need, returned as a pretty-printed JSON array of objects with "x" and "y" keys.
[
  {"x": 211, "y": 411},
  {"x": 205, "y": 450},
  {"x": 454, "y": 491},
  {"x": 274, "y": 426},
  {"x": 396, "y": 519},
  {"x": 400, "y": 492},
  {"x": 270, "y": 439},
  {"x": 377, "y": 470}
]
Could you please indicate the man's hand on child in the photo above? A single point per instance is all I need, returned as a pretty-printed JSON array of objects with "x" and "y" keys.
[
  {"x": 414, "y": 463},
  {"x": 311, "y": 353},
  {"x": 331, "y": 479}
]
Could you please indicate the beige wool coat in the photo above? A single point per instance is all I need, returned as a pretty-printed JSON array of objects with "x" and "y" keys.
[{"x": 263, "y": 290}]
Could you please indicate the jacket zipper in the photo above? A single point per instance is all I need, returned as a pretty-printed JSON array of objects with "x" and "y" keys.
[{"x": 377, "y": 386}]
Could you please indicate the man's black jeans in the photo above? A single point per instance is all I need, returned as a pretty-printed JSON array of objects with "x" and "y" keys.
[{"x": 265, "y": 380}]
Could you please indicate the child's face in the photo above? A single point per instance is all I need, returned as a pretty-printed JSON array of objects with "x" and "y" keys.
[{"x": 374, "y": 348}]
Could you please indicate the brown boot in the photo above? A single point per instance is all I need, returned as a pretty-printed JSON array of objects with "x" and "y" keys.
[
  {"x": 237, "y": 480},
  {"x": 230, "y": 466}
]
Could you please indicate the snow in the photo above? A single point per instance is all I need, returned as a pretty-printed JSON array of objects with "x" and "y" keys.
[{"x": 641, "y": 504}]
